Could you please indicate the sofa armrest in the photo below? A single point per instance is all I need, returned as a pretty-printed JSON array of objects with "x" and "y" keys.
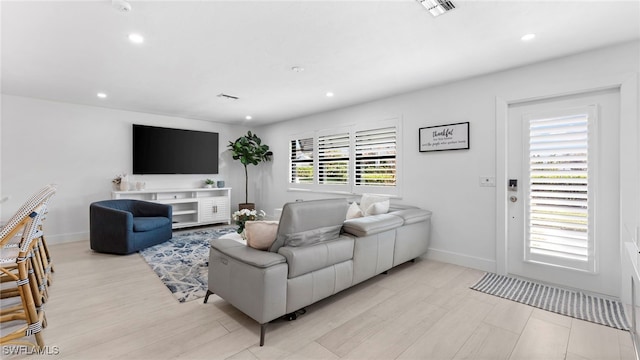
[
  {"x": 246, "y": 254},
  {"x": 370, "y": 225},
  {"x": 412, "y": 216}
]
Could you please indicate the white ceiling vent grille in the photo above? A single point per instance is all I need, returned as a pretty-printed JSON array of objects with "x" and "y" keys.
[
  {"x": 437, "y": 7},
  {"x": 227, "y": 97}
]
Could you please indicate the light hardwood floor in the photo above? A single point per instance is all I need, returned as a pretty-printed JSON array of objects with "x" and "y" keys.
[{"x": 115, "y": 307}]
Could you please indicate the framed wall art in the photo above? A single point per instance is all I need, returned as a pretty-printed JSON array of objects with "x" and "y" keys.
[{"x": 444, "y": 137}]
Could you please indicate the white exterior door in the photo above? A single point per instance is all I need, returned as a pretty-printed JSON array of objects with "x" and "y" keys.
[{"x": 563, "y": 191}]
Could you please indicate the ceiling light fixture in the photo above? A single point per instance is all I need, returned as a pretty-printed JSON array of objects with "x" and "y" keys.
[
  {"x": 248, "y": 117},
  {"x": 528, "y": 37},
  {"x": 437, "y": 7},
  {"x": 297, "y": 69},
  {"x": 329, "y": 94},
  {"x": 136, "y": 38},
  {"x": 101, "y": 95}
]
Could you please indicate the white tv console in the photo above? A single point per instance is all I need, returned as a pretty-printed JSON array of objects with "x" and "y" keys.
[{"x": 191, "y": 207}]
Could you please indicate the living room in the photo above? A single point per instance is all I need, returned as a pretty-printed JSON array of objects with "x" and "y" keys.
[{"x": 82, "y": 147}]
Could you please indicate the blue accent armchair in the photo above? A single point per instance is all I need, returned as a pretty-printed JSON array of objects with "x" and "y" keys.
[{"x": 124, "y": 226}]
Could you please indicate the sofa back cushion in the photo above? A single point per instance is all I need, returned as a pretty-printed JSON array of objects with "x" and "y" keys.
[
  {"x": 308, "y": 222},
  {"x": 306, "y": 259}
]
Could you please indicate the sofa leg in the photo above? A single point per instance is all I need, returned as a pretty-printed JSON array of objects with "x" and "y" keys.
[
  {"x": 206, "y": 297},
  {"x": 263, "y": 329},
  {"x": 385, "y": 272},
  {"x": 413, "y": 260}
]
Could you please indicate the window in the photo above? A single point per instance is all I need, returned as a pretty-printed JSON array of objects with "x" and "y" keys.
[
  {"x": 559, "y": 211},
  {"x": 333, "y": 159},
  {"x": 301, "y": 161},
  {"x": 375, "y": 163},
  {"x": 351, "y": 160}
]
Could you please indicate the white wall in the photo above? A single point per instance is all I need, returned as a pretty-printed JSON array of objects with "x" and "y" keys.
[
  {"x": 81, "y": 148},
  {"x": 464, "y": 214}
]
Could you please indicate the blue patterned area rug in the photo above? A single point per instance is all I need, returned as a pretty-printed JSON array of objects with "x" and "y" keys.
[
  {"x": 181, "y": 263},
  {"x": 571, "y": 303}
]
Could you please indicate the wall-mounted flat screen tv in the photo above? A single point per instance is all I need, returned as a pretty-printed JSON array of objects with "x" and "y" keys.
[{"x": 158, "y": 150}]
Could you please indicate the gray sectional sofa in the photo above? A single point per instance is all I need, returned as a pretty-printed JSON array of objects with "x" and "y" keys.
[{"x": 316, "y": 254}]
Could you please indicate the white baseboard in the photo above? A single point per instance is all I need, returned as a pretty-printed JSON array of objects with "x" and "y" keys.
[
  {"x": 65, "y": 238},
  {"x": 462, "y": 260}
]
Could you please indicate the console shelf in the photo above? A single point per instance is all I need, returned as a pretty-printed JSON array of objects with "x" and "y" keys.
[{"x": 191, "y": 207}]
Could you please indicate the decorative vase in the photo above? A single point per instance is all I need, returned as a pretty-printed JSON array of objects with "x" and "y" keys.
[
  {"x": 124, "y": 185},
  {"x": 220, "y": 184},
  {"x": 208, "y": 186}
]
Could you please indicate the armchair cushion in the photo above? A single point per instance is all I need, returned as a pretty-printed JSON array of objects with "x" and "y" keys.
[{"x": 149, "y": 223}]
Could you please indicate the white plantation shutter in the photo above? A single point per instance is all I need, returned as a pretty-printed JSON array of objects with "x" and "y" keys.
[
  {"x": 375, "y": 161},
  {"x": 301, "y": 161},
  {"x": 559, "y": 211},
  {"x": 333, "y": 159}
]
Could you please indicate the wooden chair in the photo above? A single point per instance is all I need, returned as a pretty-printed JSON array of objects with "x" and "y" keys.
[
  {"x": 24, "y": 319},
  {"x": 41, "y": 266}
]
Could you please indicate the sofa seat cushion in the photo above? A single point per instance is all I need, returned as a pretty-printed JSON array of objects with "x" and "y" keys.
[
  {"x": 239, "y": 251},
  {"x": 148, "y": 223},
  {"x": 370, "y": 225},
  {"x": 412, "y": 216},
  {"x": 305, "y": 259}
]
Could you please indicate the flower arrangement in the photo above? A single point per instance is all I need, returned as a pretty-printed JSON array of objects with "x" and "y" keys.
[{"x": 241, "y": 216}]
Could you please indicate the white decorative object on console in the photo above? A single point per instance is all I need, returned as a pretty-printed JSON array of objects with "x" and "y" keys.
[{"x": 191, "y": 207}]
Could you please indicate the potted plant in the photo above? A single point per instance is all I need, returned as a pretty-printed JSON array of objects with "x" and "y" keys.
[
  {"x": 249, "y": 149},
  {"x": 209, "y": 183}
]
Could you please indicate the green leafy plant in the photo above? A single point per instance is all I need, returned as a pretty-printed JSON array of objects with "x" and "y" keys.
[
  {"x": 250, "y": 150},
  {"x": 209, "y": 182}
]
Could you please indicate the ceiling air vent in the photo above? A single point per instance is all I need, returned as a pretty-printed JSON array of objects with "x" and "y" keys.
[
  {"x": 223, "y": 96},
  {"x": 437, "y": 7}
]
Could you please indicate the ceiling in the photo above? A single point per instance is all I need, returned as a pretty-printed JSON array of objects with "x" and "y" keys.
[{"x": 359, "y": 50}]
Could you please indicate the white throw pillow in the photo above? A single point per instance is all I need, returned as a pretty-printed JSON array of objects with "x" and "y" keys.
[
  {"x": 377, "y": 208},
  {"x": 260, "y": 234},
  {"x": 354, "y": 211},
  {"x": 368, "y": 200}
]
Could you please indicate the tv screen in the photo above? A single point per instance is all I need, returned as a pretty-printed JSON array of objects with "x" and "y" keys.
[{"x": 158, "y": 150}]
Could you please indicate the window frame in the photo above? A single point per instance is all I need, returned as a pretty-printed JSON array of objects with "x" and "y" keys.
[{"x": 350, "y": 187}]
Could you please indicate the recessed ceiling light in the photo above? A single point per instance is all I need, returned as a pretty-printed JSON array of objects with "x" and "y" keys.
[
  {"x": 248, "y": 117},
  {"x": 329, "y": 94},
  {"x": 136, "y": 38},
  {"x": 528, "y": 37},
  {"x": 101, "y": 95},
  {"x": 297, "y": 69}
]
